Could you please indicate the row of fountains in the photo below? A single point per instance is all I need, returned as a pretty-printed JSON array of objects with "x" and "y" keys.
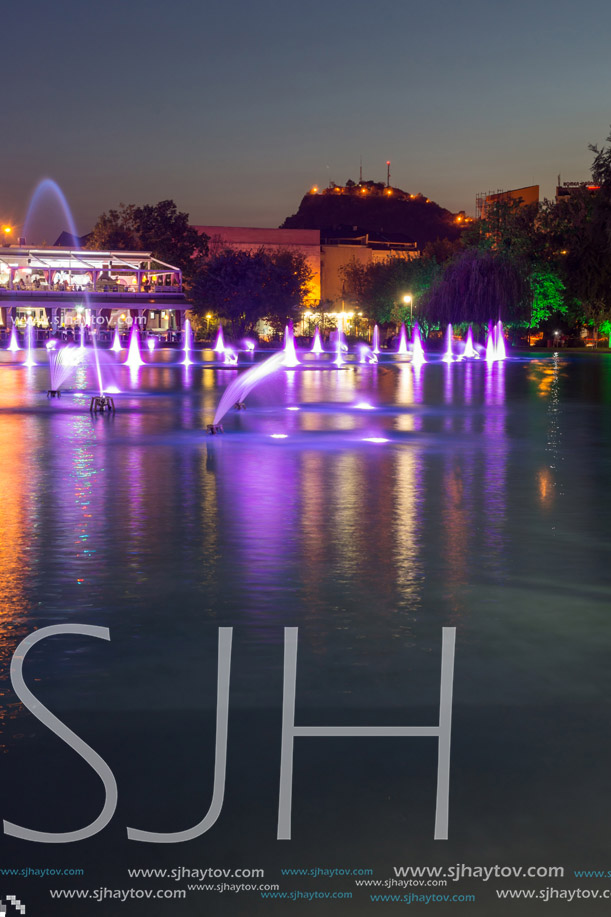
[{"x": 63, "y": 360}]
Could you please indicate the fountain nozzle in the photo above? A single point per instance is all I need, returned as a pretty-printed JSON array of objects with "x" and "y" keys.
[
  {"x": 53, "y": 393},
  {"x": 101, "y": 403},
  {"x": 240, "y": 406},
  {"x": 214, "y": 428}
]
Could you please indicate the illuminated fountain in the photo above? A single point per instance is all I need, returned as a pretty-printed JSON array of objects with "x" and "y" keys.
[
  {"x": 500, "y": 351},
  {"x": 402, "y": 348},
  {"x": 367, "y": 354},
  {"x": 490, "y": 347},
  {"x": 448, "y": 356},
  {"x": 151, "y": 344},
  {"x": 289, "y": 346},
  {"x": 249, "y": 346},
  {"x": 134, "y": 358},
  {"x": 230, "y": 356},
  {"x": 62, "y": 362},
  {"x": 375, "y": 344},
  {"x": 29, "y": 343},
  {"x": 13, "y": 344},
  {"x": 219, "y": 346},
  {"x": 470, "y": 351},
  {"x": 236, "y": 392},
  {"x": 116, "y": 342},
  {"x": 317, "y": 342},
  {"x": 188, "y": 346},
  {"x": 417, "y": 349}
]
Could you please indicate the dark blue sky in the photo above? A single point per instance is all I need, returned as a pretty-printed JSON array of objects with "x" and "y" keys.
[{"x": 235, "y": 109}]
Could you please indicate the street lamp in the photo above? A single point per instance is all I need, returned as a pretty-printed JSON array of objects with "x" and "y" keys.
[{"x": 407, "y": 299}]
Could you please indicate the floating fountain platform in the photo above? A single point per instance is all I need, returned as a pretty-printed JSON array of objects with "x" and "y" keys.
[
  {"x": 214, "y": 428},
  {"x": 53, "y": 393},
  {"x": 240, "y": 406},
  {"x": 102, "y": 403}
]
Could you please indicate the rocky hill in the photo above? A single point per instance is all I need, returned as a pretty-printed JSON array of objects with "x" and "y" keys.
[{"x": 374, "y": 208}]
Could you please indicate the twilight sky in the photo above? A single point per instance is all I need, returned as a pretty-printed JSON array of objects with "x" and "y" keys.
[{"x": 234, "y": 109}]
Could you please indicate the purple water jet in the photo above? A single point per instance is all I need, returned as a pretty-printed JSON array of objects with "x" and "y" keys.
[
  {"x": 290, "y": 354},
  {"x": 402, "y": 348},
  {"x": 500, "y": 351},
  {"x": 317, "y": 342},
  {"x": 448, "y": 356},
  {"x": 417, "y": 349},
  {"x": 375, "y": 344},
  {"x": 470, "y": 351},
  {"x": 133, "y": 358},
  {"x": 219, "y": 346}
]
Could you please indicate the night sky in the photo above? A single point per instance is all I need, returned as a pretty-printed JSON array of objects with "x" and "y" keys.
[{"x": 235, "y": 109}]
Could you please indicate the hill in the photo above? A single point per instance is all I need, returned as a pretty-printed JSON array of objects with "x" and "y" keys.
[{"x": 372, "y": 207}]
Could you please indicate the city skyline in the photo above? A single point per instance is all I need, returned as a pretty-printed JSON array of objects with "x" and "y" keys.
[{"x": 236, "y": 113}]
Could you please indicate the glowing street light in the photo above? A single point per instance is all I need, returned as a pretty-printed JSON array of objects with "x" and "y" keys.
[{"x": 407, "y": 299}]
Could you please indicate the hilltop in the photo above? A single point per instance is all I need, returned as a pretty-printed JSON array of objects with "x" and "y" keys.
[{"x": 372, "y": 207}]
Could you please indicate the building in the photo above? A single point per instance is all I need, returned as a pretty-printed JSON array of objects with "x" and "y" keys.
[
  {"x": 338, "y": 253},
  {"x": 527, "y": 195},
  {"x": 569, "y": 189},
  {"x": 59, "y": 287},
  {"x": 304, "y": 242}
]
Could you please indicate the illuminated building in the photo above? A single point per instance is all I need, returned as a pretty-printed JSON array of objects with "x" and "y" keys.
[{"x": 55, "y": 285}]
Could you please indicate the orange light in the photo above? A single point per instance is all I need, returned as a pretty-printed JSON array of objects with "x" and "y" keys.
[
  {"x": 314, "y": 190},
  {"x": 7, "y": 229}
]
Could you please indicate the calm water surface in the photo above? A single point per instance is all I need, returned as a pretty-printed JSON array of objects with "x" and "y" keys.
[{"x": 486, "y": 507}]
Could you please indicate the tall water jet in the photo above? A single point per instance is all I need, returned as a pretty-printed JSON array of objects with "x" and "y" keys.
[
  {"x": 133, "y": 358},
  {"x": 375, "y": 344},
  {"x": 402, "y": 348},
  {"x": 219, "y": 346},
  {"x": 339, "y": 358},
  {"x": 290, "y": 353},
  {"x": 116, "y": 342},
  {"x": 417, "y": 349},
  {"x": 236, "y": 392},
  {"x": 97, "y": 366},
  {"x": 45, "y": 188},
  {"x": 188, "y": 344},
  {"x": 317, "y": 342},
  {"x": 13, "y": 344},
  {"x": 470, "y": 351},
  {"x": 500, "y": 351},
  {"x": 448, "y": 356},
  {"x": 490, "y": 348},
  {"x": 29, "y": 344}
]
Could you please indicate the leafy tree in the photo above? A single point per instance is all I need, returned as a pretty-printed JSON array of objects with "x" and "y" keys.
[
  {"x": 161, "y": 229},
  {"x": 479, "y": 286},
  {"x": 379, "y": 288},
  {"x": 547, "y": 293},
  {"x": 245, "y": 287}
]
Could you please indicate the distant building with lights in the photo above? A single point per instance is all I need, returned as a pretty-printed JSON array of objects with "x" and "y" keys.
[
  {"x": 338, "y": 253},
  {"x": 569, "y": 189},
  {"x": 61, "y": 286}
]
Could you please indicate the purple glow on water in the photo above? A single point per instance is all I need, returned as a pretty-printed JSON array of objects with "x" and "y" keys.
[
  {"x": 290, "y": 354},
  {"x": 278, "y": 435},
  {"x": 364, "y": 406},
  {"x": 13, "y": 344},
  {"x": 219, "y": 346},
  {"x": 500, "y": 351},
  {"x": 375, "y": 344},
  {"x": 417, "y": 349},
  {"x": 317, "y": 343},
  {"x": 402, "y": 348},
  {"x": 375, "y": 439},
  {"x": 188, "y": 344},
  {"x": 116, "y": 342},
  {"x": 490, "y": 348},
  {"x": 151, "y": 344},
  {"x": 448, "y": 356},
  {"x": 133, "y": 358},
  {"x": 249, "y": 345},
  {"x": 470, "y": 351}
]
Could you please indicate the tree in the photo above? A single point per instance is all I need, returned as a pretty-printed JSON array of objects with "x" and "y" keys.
[
  {"x": 547, "y": 292},
  {"x": 479, "y": 286},
  {"x": 161, "y": 229},
  {"x": 379, "y": 289},
  {"x": 245, "y": 287}
]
